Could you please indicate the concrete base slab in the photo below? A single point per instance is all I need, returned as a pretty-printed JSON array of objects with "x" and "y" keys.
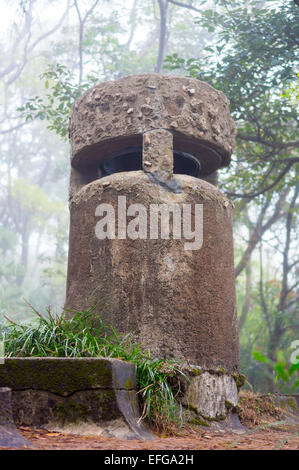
[
  {"x": 231, "y": 424},
  {"x": 9, "y": 435},
  {"x": 75, "y": 395}
]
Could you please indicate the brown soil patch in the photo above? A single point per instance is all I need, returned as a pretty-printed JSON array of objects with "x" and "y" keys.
[
  {"x": 281, "y": 435},
  {"x": 267, "y": 427}
]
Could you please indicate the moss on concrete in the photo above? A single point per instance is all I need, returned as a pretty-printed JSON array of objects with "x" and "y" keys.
[
  {"x": 71, "y": 411},
  {"x": 198, "y": 421},
  {"x": 66, "y": 375},
  {"x": 240, "y": 379}
]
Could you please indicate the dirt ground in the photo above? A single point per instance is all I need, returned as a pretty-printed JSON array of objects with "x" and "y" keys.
[
  {"x": 265, "y": 427},
  {"x": 277, "y": 436}
]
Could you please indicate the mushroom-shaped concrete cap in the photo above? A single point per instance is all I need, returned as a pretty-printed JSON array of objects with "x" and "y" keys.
[{"x": 112, "y": 117}]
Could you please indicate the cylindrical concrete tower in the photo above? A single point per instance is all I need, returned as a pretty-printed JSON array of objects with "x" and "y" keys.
[{"x": 150, "y": 239}]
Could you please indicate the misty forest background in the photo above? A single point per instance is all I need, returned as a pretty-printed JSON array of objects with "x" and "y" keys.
[{"x": 51, "y": 51}]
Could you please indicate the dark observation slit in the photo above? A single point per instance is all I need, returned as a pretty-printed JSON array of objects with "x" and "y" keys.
[{"x": 184, "y": 163}]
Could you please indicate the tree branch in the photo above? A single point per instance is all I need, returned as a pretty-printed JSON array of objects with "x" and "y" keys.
[
  {"x": 258, "y": 139},
  {"x": 179, "y": 4},
  {"x": 291, "y": 162},
  {"x": 19, "y": 39},
  {"x": 28, "y": 49}
]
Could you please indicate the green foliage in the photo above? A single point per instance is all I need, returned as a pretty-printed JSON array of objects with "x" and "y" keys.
[
  {"x": 252, "y": 57},
  {"x": 292, "y": 93},
  {"x": 286, "y": 376},
  {"x": 260, "y": 357},
  {"x": 58, "y": 101},
  {"x": 83, "y": 336},
  {"x": 156, "y": 392}
]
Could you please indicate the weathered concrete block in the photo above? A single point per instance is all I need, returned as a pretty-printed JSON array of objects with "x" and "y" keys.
[
  {"x": 114, "y": 115},
  {"x": 80, "y": 395},
  {"x": 9, "y": 435},
  {"x": 211, "y": 395},
  {"x": 65, "y": 376}
]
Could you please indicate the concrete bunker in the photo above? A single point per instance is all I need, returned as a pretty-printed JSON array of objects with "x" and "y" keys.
[{"x": 154, "y": 139}]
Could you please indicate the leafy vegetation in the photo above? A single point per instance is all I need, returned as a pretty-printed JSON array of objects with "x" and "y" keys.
[
  {"x": 253, "y": 56},
  {"x": 56, "y": 105},
  {"x": 285, "y": 376}
]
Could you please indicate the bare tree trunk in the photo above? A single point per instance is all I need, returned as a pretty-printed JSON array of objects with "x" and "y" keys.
[
  {"x": 148, "y": 43},
  {"x": 279, "y": 325},
  {"x": 286, "y": 268},
  {"x": 260, "y": 228},
  {"x": 247, "y": 300},
  {"x": 133, "y": 23},
  {"x": 24, "y": 254},
  {"x": 163, "y": 5},
  {"x": 82, "y": 21},
  {"x": 276, "y": 321}
]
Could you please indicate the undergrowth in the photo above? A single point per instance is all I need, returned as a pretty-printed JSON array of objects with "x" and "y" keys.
[
  {"x": 85, "y": 336},
  {"x": 255, "y": 409}
]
